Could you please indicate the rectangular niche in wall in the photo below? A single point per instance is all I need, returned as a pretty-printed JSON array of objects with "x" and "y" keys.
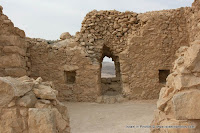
[
  {"x": 70, "y": 77},
  {"x": 163, "y": 75}
]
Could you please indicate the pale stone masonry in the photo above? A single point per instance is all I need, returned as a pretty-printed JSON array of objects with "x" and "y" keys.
[
  {"x": 143, "y": 47},
  {"x": 31, "y": 106},
  {"x": 178, "y": 101}
]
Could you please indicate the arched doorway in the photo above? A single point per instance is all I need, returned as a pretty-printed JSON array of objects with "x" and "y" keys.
[{"x": 110, "y": 74}]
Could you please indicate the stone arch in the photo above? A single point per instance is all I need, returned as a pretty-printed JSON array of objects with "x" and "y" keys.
[{"x": 110, "y": 86}]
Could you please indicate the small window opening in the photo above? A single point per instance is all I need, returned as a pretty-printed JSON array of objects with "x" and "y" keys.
[
  {"x": 70, "y": 77},
  {"x": 108, "y": 68},
  {"x": 163, "y": 75}
]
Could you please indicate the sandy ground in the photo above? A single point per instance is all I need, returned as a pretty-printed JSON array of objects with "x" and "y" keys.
[{"x": 111, "y": 118}]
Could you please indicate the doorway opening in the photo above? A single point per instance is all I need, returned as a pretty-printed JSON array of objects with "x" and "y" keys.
[
  {"x": 163, "y": 74},
  {"x": 110, "y": 74},
  {"x": 108, "y": 68}
]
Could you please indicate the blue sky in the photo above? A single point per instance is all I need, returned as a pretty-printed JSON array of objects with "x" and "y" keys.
[{"x": 49, "y": 18}]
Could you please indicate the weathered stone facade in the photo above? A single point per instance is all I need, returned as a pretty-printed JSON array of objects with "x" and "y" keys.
[
  {"x": 31, "y": 106},
  {"x": 12, "y": 48},
  {"x": 178, "y": 101},
  {"x": 177, "y": 104},
  {"x": 143, "y": 47},
  {"x": 26, "y": 105},
  {"x": 142, "y": 44}
]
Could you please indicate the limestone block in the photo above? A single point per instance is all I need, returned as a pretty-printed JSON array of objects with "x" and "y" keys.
[
  {"x": 133, "y": 19},
  {"x": 13, "y": 60},
  {"x": 116, "y": 26},
  {"x": 12, "y": 40},
  {"x": 158, "y": 117},
  {"x": 63, "y": 110},
  {"x": 43, "y": 104},
  {"x": 14, "y": 49},
  {"x": 192, "y": 57},
  {"x": 65, "y": 35},
  {"x": 25, "y": 79},
  {"x": 39, "y": 80},
  {"x": 15, "y": 72},
  {"x": 17, "y": 100},
  {"x": 164, "y": 97},
  {"x": 28, "y": 100},
  {"x": 10, "y": 121},
  {"x": 45, "y": 92},
  {"x": 8, "y": 22},
  {"x": 181, "y": 51},
  {"x": 46, "y": 121},
  {"x": 41, "y": 121},
  {"x": 12, "y": 103},
  {"x": 10, "y": 88},
  {"x": 180, "y": 82},
  {"x": 23, "y": 112},
  {"x": 91, "y": 40},
  {"x": 186, "y": 105},
  {"x": 69, "y": 67},
  {"x": 61, "y": 123},
  {"x": 20, "y": 32}
]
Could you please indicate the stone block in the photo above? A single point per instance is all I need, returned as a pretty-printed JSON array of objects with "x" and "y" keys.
[
  {"x": 13, "y": 60},
  {"x": 15, "y": 72},
  {"x": 186, "y": 105},
  {"x": 11, "y": 88},
  {"x": 28, "y": 100},
  {"x": 45, "y": 92},
  {"x": 41, "y": 121},
  {"x": 14, "y": 49},
  {"x": 65, "y": 35}
]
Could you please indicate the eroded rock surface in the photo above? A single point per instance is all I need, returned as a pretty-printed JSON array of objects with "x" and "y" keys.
[
  {"x": 23, "y": 109},
  {"x": 13, "y": 48},
  {"x": 178, "y": 102},
  {"x": 65, "y": 35}
]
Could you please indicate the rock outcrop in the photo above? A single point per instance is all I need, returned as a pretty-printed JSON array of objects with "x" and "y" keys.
[
  {"x": 178, "y": 102},
  {"x": 31, "y": 106}
]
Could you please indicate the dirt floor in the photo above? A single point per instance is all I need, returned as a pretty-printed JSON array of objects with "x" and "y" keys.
[{"x": 111, "y": 118}]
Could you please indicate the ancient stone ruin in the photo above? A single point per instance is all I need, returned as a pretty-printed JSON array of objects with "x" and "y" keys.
[
  {"x": 143, "y": 47},
  {"x": 31, "y": 106},
  {"x": 178, "y": 100}
]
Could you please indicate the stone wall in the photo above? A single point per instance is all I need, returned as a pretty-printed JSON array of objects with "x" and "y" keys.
[
  {"x": 177, "y": 104},
  {"x": 142, "y": 44},
  {"x": 152, "y": 47},
  {"x": 12, "y": 48},
  {"x": 111, "y": 86},
  {"x": 193, "y": 19},
  {"x": 31, "y": 106},
  {"x": 54, "y": 62}
]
